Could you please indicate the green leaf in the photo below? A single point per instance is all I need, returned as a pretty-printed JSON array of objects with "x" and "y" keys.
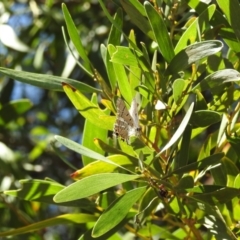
[
  {"x": 129, "y": 57},
  {"x": 36, "y": 190},
  {"x": 110, "y": 235},
  {"x": 160, "y": 32},
  {"x": 89, "y": 110},
  {"x": 114, "y": 39},
  {"x": 180, "y": 129},
  {"x": 46, "y": 81},
  {"x": 179, "y": 86},
  {"x": 117, "y": 211},
  {"x": 199, "y": 24},
  {"x": 158, "y": 231},
  {"x": 237, "y": 181},
  {"x": 204, "y": 118},
  {"x": 185, "y": 182},
  {"x": 121, "y": 77},
  {"x": 89, "y": 135},
  {"x": 103, "y": 167},
  {"x": 148, "y": 203},
  {"x": 92, "y": 185},
  {"x": 84, "y": 151},
  {"x": 213, "y": 197},
  {"x": 183, "y": 155},
  {"x": 137, "y": 14},
  {"x": 12, "y": 110},
  {"x": 231, "y": 10},
  {"x": 217, "y": 78},
  {"x": 235, "y": 143},
  {"x": 192, "y": 54},
  {"x": 230, "y": 39},
  {"x": 210, "y": 161},
  {"x": 74, "y": 35},
  {"x": 230, "y": 170},
  {"x": 76, "y": 218}
]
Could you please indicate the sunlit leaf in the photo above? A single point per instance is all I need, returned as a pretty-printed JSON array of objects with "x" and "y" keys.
[{"x": 92, "y": 185}]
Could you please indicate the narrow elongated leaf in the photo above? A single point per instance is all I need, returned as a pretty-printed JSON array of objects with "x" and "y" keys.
[
  {"x": 45, "y": 81},
  {"x": 14, "y": 109},
  {"x": 102, "y": 167},
  {"x": 179, "y": 86},
  {"x": 110, "y": 235},
  {"x": 231, "y": 10},
  {"x": 182, "y": 157},
  {"x": 204, "y": 118},
  {"x": 137, "y": 14},
  {"x": 77, "y": 218},
  {"x": 122, "y": 78},
  {"x": 180, "y": 129},
  {"x": 230, "y": 39},
  {"x": 74, "y": 35},
  {"x": 114, "y": 39},
  {"x": 222, "y": 195},
  {"x": 127, "y": 56},
  {"x": 192, "y": 54},
  {"x": 36, "y": 190},
  {"x": 117, "y": 211},
  {"x": 230, "y": 170},
  {"x": 89, "y": 135},
  {"x": 159, "y": 231},
  {"x": 235, "y": 143},
  {"x": 92, "y": 185},
  {"x": 217, "y": 78},
  {"x": 88, "y": 109},
  {"x": 212, "y": 160},
  {"x": 200, "y": 23},
  {"x": 160, "y": 32},
  {"x": 84, "y": 151}
]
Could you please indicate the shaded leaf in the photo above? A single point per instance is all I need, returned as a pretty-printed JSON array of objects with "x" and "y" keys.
[
  {"x": 46, "y": 81},
  {"x": 213, "y": 197},
  {"x": 76, "y": 218},
  {"x": 217, "y": 78},
  {"x": 212, "y": 160},
  {"x": 137, "y": 14},
  {"x": 204, "y": 118},
  {"x": 117, "y": 211},
  {"x": 36, "y": 190},
  {"x": 180, "y": 129},
  {"x": 160, "y": 31},
  {"x": 74, "y": 35},
  {"x": 192, "y": 54},
  {"x": 199, "y": 24}
]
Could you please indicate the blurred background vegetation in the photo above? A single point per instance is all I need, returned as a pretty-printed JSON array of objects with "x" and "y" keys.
[{"x": 31, "y": 40}]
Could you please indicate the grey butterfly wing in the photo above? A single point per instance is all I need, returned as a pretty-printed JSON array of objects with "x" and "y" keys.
[
  {"x": 123, "y": 121},
  {"x": 133, "y": 111}
]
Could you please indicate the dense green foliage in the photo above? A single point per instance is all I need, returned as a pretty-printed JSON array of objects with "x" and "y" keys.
[{"x": 179, "y": 178}]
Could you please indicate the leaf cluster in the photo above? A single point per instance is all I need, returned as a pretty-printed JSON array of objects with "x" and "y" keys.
[{"x": 179, "y": 179}]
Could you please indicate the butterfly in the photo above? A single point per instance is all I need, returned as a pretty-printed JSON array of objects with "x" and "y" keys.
[{"x": 127, "y": 122}]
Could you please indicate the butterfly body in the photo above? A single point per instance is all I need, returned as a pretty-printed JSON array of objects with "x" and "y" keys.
[{"x": 127, "y": 122}]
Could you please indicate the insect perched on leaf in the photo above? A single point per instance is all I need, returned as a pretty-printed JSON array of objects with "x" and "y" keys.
[{"x": 127, "y": 122}]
